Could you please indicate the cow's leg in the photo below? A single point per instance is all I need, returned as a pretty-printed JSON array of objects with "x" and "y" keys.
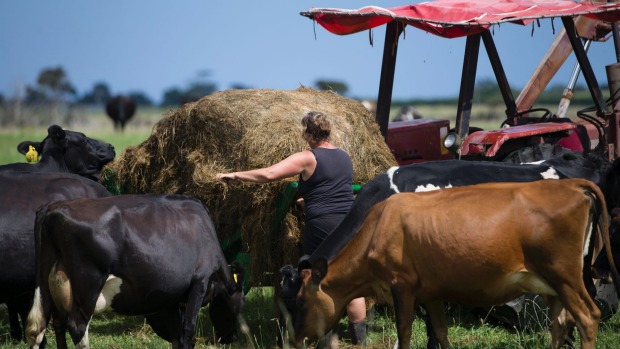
[
  {"x": 85, "y": 299},
  {"x": 43, "y": 307},
  {"x": 76, "y": 292},
  {"x": 84, "y": 343},
  {"x": 192, "y": 307},
  {"x": 61, "y": 294},
  {"x": 431, "y": 340},
  {"x": 584, "y": 311},
  {"x": 60, "y": 329},
  {"x": 439, "y": 324},
  {"x": 167, "y": 324},
  {"x": 404, "y": 306},
  {"x": 15, "y": 328},
  {"x": 39, "y": 317},
  {"x": 559, "y": 325}
]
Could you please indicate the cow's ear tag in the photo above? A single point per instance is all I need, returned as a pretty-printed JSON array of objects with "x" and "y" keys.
[
  {"x": 32, "y": 155},
  {"x": 235, "y": 277}
]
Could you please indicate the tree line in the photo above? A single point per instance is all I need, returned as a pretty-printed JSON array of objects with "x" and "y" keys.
[
  {"x": 53, "y": 98},
  {"x": 54, "y": 88}
]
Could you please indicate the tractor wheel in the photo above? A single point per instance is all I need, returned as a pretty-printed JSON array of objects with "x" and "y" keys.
[{"x": 543, "y": 151}]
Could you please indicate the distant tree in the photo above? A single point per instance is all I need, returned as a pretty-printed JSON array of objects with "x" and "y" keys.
[
  {"x": 53, "y": 86},
  {"x": 487, "y": 91},
  {"x": 581, "y": 95},
  {"x": 198, "y": 90},
  {"x": 2, "y": 100},
  {"x": 35, "y": 96},
  {"x": 55, "y": 83},
  {"x": 200, "y": 86},
  {"x": 55, "y": 92},
  {"x": 330, "y": 85},
  {"x": 175, "y": 96},
  {"x": 172, "y": 97},
  {"x": 140, "y": 99},
  {"x": 98, "y": 96},
  {"x": 239, "y": 86}
]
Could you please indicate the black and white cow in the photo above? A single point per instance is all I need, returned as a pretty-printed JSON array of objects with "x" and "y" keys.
[
  {"x": 154, "y": 255},
  {"x": 445, "y": 174},
  {"x": 21, "y": 194},
  {"x": 434, "y": 175},
  {"x": 61, "y": 152},
  {"x": 65, "y": 151}
]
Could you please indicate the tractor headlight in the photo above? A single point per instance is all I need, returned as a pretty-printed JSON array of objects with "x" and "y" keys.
[{"x": 451, "y": 141}]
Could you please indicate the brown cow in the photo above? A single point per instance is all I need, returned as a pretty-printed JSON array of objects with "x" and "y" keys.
[{"x": 479, "y": 245}]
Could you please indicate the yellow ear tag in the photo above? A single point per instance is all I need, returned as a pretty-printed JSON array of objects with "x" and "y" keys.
[
  {"x": 235, "y": 277},
  {"x": 32, "y": 155}
]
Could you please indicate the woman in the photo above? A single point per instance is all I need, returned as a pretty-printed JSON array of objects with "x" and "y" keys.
[{"x": 325, "y": 177}]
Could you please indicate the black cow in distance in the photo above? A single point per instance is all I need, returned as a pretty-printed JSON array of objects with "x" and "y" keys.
[{"x": 120, "y": 109}]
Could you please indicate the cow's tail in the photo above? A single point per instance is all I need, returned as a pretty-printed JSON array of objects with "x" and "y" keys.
[
  {"x": 41, "y": 308},
  {"x": 600, "y": 222}
]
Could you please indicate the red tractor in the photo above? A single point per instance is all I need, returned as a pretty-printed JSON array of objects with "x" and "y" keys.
[
  {"x": 527, "y": 133},
  {"x": 537, "y": 132}
]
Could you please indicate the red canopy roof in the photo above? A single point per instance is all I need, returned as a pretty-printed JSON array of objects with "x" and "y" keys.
[{"x": 456, "y": 18}]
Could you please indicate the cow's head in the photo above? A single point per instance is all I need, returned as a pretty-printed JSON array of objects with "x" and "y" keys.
[
  {"x": 290, "y": 283},
  {"x": 316, "y": 308},
  {"x": 69, "y": 151},
  {"x": 225, "y": 308}
]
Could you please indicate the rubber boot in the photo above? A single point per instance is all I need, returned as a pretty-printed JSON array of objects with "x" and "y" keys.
[{"x": 358, "y": 333}]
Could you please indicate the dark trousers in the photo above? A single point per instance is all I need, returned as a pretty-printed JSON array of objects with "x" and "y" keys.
[{"x": 317, "y": 229}]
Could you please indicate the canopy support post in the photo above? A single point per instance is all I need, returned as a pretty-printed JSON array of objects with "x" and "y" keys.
[
  {"x": 500, "y": 74},
  {"x": 388, "y": 67},
  {"x": 468, "y": 81}
]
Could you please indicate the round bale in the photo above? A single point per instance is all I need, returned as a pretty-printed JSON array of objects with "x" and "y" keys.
[{"x": 236, "y": 130}]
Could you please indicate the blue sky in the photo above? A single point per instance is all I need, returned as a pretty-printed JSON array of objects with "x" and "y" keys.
[{"x": 151, "y": 46}]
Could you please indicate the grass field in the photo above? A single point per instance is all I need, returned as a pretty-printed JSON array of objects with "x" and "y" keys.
[
  {"x": 110, "y": 331},
  {"x": 466, "y": 331},
  {"x": 95, "y": 124}
]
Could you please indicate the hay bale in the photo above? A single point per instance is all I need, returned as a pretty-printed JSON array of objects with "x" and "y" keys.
[{"x": 237, "y": 130}]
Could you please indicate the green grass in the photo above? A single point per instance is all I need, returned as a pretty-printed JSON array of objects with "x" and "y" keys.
[
  {"x": 95, "y": 124},
  {"x": 9, "y": 139},
  {"x": 466, "y": 331}
]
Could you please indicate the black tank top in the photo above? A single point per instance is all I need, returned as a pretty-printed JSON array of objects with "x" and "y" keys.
[{"x": 328, "y": 190}]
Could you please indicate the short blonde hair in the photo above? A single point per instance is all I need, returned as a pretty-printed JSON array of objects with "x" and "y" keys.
[{"x": 317, "y": 126}]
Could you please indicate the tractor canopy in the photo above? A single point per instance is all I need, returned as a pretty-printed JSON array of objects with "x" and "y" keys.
[
  {"x": 457, "y": 18},
  {"x": 473, "y": 19}
]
